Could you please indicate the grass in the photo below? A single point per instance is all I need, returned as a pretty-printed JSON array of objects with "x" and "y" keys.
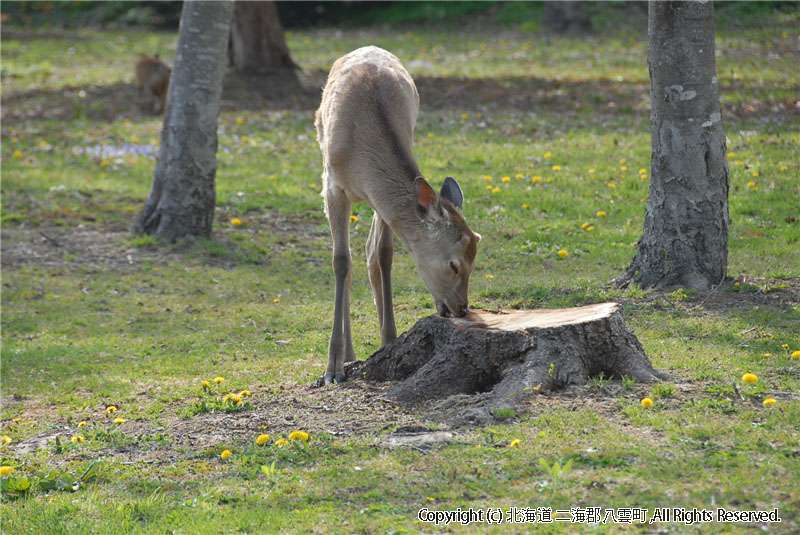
[{"x": 106, "y": 318}]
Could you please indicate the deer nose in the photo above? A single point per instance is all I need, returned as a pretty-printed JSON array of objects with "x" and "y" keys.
[{"x": 463, "y": 311}]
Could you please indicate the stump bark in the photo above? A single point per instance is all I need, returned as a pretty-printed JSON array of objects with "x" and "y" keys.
[{"x": 508, "y": 355}]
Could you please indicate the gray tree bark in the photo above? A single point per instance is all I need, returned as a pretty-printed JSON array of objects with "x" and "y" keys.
[
  {"x": 257, "y": 43},
  {"x": 685, "y": 239},
  {"x": 183, "y": 194}
]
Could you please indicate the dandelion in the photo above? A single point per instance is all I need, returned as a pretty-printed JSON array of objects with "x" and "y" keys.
[
  {"x": 464, "y": 116},
  {"x": 514, "y": 443},
  {"x": 77, "y": 438},
  {"x": 276, "y": 300},
  {"x": 262, "y": 439},
  {"x": 590, "y": 228},
  {"x": 495, "y": 190},
  {"x": 245, "y": 393},
  {"x": 240, "y": 121},
  {"x": 563, "y": 253},
  {"x": 520, "y": 175},
  {"x": 623, "y": 160},
  {"x": 731, "y": 154},
  {"x": 273, "y": 177},
  {"x": 16, "y": 420},
  {"x": 487, "y": 178},
  {"x": 647, "y": 402},
  {"x": 431, "y": 134},
  {"x": 489, "y": 187},
  {"x": 601, "y": 213},
  {"x": 795, "y": 354},
  {"x": 506, "y": 179},
  {"x": 81, "y": 425},
  {"x": 298, "y": 435},
  {"x": 6, "y": 470},
  {"x": 591, "y": 171},
  {"x": 525, "y": 206},
  {"x": 584, "y": 225},
  {"x": 120, "y": 420},
  {"x": 612, "y": 185},
  {"x": 281, "y": 442},
  {"x": 427, "y": 498},
  {"x": 236, "y": 221},
  {"x": 103, "y": 163},
  {"x": 219, "y": 380},
  {"x": 755, "y": 174},
  {"x": 783, "y": 168},
  {"x": 244, "y": 139},
  {"x": 643, "y": 171},
  {"x": 624, "y": 168},
  {"x": 489, "y": 276},
  {"x": 225, "y": 454},
  {"x": 769, "y": 401},
  {"x": 205, "y": 384},
  {"x": 556, "y": 168},
  {"x": 6, "y": 439},
  {"x": 536, "y": 179},
  {"x": 43, "y": 143},
  {"x": 353, "y": 218},
  {"x": 17, "y": 154},
  {"x": 111, "y": 409},
  {"x": 547, "y": 155},
  {"x": 749, "y": 378},
  {"x": 767, "y": 355},
  {"x": 785, "y": 346},
  {"x": 236, "y": 398},
  {"x": 134, "y": 139}
]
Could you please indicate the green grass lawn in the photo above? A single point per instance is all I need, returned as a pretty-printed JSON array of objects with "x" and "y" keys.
[{"x": 549, "y": 138}]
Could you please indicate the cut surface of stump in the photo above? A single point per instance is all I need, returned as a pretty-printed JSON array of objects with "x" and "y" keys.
[{"x": 508, "y": 355}]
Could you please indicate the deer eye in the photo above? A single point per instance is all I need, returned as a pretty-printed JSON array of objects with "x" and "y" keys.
[{"x": 454, "y": 267}]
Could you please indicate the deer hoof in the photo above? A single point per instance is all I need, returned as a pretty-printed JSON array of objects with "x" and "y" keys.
[
  {"x": 340, "y": 378},
  {"x": 334, "y": 378}
]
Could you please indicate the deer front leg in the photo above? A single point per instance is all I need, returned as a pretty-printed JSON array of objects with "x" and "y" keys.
[
  {"x": 338, "y": 209},
  {"x": 380, "y": 251}
]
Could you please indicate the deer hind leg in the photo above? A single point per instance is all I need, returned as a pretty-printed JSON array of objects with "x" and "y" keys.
[
  {"x": 337, "y": 207},
  {"x": 380, "y": 250}
]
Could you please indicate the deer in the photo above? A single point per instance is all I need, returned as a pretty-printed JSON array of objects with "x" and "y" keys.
[
  {"x": 365, "y": 126},
  {"x": 152, "y": 80}
]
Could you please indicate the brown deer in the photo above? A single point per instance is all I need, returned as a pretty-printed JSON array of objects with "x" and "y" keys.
[
  {"x": 152, "y": 79},
  {"x": 365, "y": 126}
]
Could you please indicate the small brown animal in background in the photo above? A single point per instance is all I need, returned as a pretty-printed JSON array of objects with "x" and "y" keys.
[{"x": 152, "y": 79}]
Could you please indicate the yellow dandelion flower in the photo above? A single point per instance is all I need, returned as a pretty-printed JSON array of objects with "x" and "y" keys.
[
  {"x": 736, "y": 284},
  {"x": 120, "y": 420},
  {"x": 205, "y": 384},
  {"x": 601, "y": 213},
  {"x": 111, "y": 409},
  {"x": 244, "y": 139},
  {"x": 431, "y": 134},
  {"x": 525, "y": 206},
  {"x": 6, "y": 439},
  {"x": 281, "y": 442},
  {"x": 430, "y": 499},
  {"x": 104, "y": 163},
  {"x": 795, "y": 354},
  {"x": 464, "y": 116},
  {"x": 536, "y": 179},
  {"x": 556, "y": 168},
  {"x": 755, "y": 174},
  {"x": 6, "y": 470},
  {"x": 623, "y": 160},
  {"x": 487, "y": 178},
  {"x": 768, "y": 401},
  {"x": 643, "y": 171},
  {"x": 563, "y": 253},
  {"x": 591, "y": 171},
  {"x": 767, "y": 355},
  {"x": 647, "y": 402},
  {"x": 78, "y": 438},
  {"x": 489, "y": 276},
  {"x": 643, "y": 177},
  {"x": 276, "y": 300},
  {"x": 236, "y": 221},
  {"x": 225, "y": 454},
  {"x": 353, "y": 218},
  {"x": 624, "y": 168},
  {"x": 520, "y": 175},
  {"x": 506, "y": 179},
  {"x": 514, "y": 443},
  {"x": 611, "y": 185},
  {"x": 245, "y": 393},
  {"x": 134, "y": 139},
  {"x": 240, "y": 121},
  {"x": 749, "y": 378},
  {"x": 783, "y": 168},
  {"x": 298, "y": 435},
  {"x": 273, "y": 177},
  {"x": 236, "y": 398},
  {"x": 82, "y": 424},
  {"x": 225, "y": 398},
  {"x": 585, "y": 225},
  {"x": 17, "y": 154},
  {"x": 785, "y": 346},
  {"x": 495, "y": 190},
  {"x": 262, "y": 439},
  {"x": 489, "y": 187},
  {"x": 547, "y": 155},
  {"x": 16, "y": 420},
  {"x": 590, "y": 228},
  {"x": 731, "y": 154},
  {"x": 43, "y": 143},
  {"x": 219, "y": 380}
]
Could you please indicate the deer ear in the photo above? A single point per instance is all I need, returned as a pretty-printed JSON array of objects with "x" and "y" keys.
[
  {"x": 452, "y": 192},
  {"x": 427, "y": 200}
]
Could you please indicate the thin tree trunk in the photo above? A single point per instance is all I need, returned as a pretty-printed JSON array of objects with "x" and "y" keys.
[
  {"x": 257, "y": 44},
  {"x": 183, "y": 194},
  {"x": 685, "y": 239}
]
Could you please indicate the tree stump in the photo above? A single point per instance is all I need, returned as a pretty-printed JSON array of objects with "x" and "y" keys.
[{"x": 507, "y": 355}]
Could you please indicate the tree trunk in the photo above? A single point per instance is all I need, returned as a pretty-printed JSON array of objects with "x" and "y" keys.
[
  {"x": 183, "y": 195},
  {"x": 257, "y": 44},
  {"x": 685, "y": 240},
  {"x": 508, "y": 355},
  {"x": 567, "y": 18}
]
